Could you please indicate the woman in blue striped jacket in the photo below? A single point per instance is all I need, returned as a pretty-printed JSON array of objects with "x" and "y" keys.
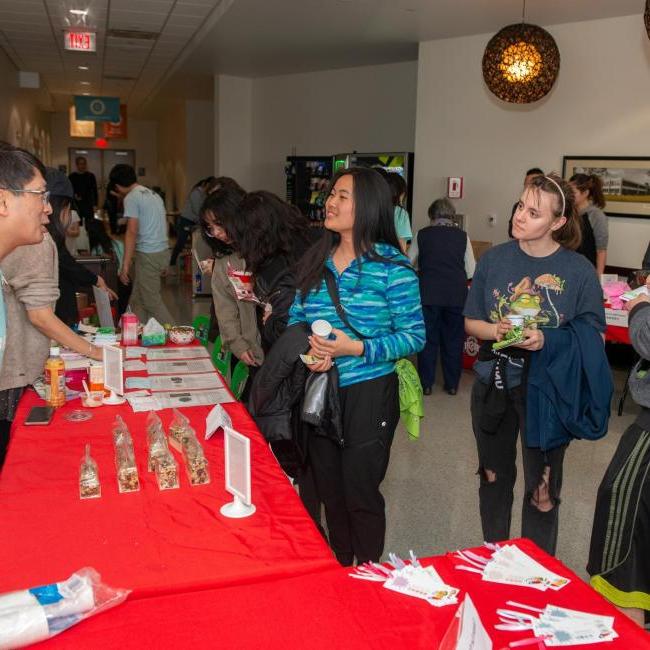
[{"x": 378, "y": 291}]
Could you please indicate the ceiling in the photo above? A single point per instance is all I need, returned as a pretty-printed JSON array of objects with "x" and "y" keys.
[{"x": 178, "y": 41}]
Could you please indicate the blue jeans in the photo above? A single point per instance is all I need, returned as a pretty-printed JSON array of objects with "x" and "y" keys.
[{"x": 445, "y": 330}]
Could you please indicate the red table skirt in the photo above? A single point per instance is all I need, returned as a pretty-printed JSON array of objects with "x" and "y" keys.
[
  {"x": 153, "y": 542},
  {"x": 617, "y": 334},
  {"x": 328, "y": 610}
]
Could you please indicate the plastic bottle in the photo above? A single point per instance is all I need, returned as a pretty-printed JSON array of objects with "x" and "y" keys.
[
  {"x": 129, "y": 328},
  {"x": 55, "y": 379}
]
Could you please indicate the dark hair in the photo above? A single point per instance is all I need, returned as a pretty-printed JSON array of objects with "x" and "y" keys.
[
  {"x": 374, "y": 223},
  {"x": 123, "y": 175},
  {"x": 535, "y": 170},
  {"x": 570, "y": 234},
  {"x": 225, "y": 183},
  {"x": 269, "y": 227},
  {"x": 55, "y": 227},
  {"x": 78, "y": 158},
  {"x": 222, "y": 206},
  {"x": 17, "y": 167},
  {"x": 591, "y": 184},
  {"x": 397, "y": 186}
]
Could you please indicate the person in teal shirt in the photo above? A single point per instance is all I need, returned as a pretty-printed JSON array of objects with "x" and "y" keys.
[
  {"x": 24, "y": 206},
  {"x": 398, "y": 191}
]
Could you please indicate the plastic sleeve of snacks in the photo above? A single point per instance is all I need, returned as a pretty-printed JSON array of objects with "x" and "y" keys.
[
  {"x": 89, "y": 485},
  {"x": 166, "y": 469},
  {"x": 179, "y": 429},
  {"x": 196, "y": 463},
  {"x": 127, "y": 469},
  {"x": 156, "y": 440}
]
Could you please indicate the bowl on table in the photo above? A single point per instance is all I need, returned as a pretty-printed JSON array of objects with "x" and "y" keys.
[{"x": 181, "y": 334}]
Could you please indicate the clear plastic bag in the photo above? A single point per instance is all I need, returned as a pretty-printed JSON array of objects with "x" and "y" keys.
[
  {"x": 127, "y": 469},
  {"x": 166, "y": 469},
  {"x": 156, "y": 440},
  {"x": 39, "y": 613},
  {"x": 196, "y": 464},
  {"x": 179, "y": 429},
  {"x": 89, "y": 485}
]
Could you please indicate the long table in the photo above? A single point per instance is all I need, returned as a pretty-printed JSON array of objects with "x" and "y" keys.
[
  {"x": 329, "y": 609},
  {"x": 153, "y": 542}
]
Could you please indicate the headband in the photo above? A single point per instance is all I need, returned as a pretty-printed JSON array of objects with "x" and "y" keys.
[{"x": 548, "y": 178}]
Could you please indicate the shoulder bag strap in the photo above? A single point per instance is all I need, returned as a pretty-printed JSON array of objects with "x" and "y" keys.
[{"x": 333, "y": 290}]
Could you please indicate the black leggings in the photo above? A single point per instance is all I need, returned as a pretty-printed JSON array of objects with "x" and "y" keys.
[{"x": 348, "y": 477}]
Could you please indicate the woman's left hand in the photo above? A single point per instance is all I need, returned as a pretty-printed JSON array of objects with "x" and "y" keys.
[
  {"x": 101, "y": 284},
  {"x": 341, "y": 346},
  {"x": 534, "y": 340}
]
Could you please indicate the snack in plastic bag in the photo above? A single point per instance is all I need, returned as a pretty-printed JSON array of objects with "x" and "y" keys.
[
  {"x": 89, "y": 485},
  {"x": 196, "y": 463},
  {"x": 39, "y": 613},
  {"x": 179, "y": 429},
  {"x": 127, "y": 470},
  {"x": 166, "y": 471},
  {"x": 156, "y": 439}
]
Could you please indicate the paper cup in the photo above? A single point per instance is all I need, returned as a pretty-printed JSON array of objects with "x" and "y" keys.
[
  {"x": 321, "y": 328},
  {"x": 517, "y": 320}
]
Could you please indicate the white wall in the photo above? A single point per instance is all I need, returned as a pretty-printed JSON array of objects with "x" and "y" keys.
[
  {"x": 335, "y": 111},
  {"x": 199, "y": 115},
  {"x": 142, "y": 138},
  {"x": 22, "y": 122},
  {"x": 600, "y": 105},
  {"x": 234, "y": 119}
]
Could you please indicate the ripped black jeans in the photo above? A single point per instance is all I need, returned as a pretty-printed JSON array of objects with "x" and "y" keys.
[{"x": 497, "y": 455}]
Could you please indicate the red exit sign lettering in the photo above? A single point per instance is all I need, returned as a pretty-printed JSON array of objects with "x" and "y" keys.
[{"x": 80, "y": 41}]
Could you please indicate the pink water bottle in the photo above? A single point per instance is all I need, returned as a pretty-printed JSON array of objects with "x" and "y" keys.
[{"x": 129, "y": 328}]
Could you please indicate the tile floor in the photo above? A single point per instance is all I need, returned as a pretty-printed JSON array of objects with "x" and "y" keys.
[{"x": 431, "y": 487}]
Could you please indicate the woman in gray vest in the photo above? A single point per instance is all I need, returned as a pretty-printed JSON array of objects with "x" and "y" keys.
[{"x": 445, "y": 262}]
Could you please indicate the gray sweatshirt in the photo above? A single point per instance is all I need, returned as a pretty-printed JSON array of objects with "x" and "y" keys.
[{"x": 639, "y": 325}]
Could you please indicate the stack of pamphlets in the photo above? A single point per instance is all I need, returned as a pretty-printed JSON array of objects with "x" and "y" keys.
[
  {"x": 509, "y": 565},
  {"x": 409, "y": 578},
  {"x": 557, "y": 626}
]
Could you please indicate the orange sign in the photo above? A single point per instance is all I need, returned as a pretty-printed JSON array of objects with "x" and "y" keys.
[{"x": 117, "y": 130}]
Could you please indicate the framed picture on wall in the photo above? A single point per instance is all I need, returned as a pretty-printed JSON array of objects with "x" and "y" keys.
[{"x": 626, "y": 182}]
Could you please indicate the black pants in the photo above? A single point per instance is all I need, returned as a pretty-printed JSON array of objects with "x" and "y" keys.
[
  {"x": 348, "y": 477},
  {"x": 497, "y": 452},
  {"x": 183, "y": 231},
  {"x": 445, "y": 329}
]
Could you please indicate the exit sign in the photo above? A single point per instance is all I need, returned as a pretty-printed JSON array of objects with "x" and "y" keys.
[{"x": 80, "y": 41}]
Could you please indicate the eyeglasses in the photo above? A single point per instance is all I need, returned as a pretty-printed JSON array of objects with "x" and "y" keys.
[
  {"x": 45, "y": 194},
  {"x": 211, "y": 227}
]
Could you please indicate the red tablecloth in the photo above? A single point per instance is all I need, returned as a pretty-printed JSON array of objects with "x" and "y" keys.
[
  {"x": 618, "y": 334},
  {"x": 328, "y": 610},
  {"x": 150, "y": 541}
]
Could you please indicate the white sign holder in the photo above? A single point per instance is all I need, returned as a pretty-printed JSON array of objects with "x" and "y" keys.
[
  {"x": 113, "y": 375},
  {"x": 237, "y": 452}
]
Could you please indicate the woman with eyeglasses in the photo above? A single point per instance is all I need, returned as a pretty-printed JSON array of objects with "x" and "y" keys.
[{"x": 236, "y": 318}]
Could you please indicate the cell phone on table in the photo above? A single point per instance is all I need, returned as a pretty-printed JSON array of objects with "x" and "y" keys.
[{"x": 39, "y": 415}]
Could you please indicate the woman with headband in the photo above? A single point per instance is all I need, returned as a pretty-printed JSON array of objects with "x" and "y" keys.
[{"x": 536, "y": 282}]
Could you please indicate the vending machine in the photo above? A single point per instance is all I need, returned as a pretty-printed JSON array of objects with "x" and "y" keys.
[
  {"x": 307, "y": 181},
  {"x": 400, "y": 162}
]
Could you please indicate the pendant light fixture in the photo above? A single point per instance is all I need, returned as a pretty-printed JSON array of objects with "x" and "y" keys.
[{"x": 521, "y": 62}]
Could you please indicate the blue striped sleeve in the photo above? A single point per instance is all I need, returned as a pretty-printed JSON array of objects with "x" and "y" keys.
[
  {"x": 408, "y": 335},
  {"x": 297, "y": 311}
]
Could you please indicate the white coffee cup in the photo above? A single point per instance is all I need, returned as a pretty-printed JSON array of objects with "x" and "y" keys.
[
  {"x": 517, "y": 320},
  {"x": 321, "y": 328}
]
